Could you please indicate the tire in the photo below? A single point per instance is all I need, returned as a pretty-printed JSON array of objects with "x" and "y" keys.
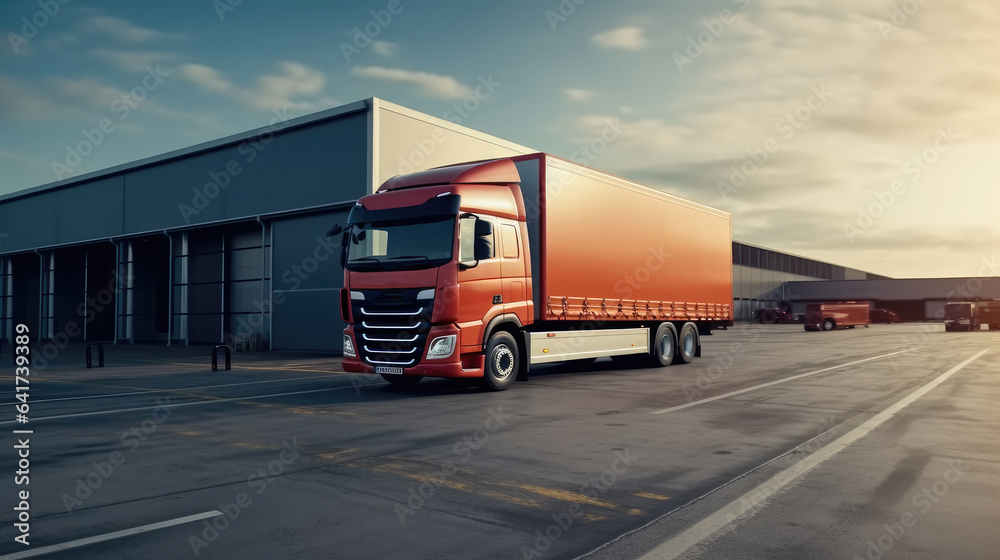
[
  {"x": 402, "y": 380},
  {"x": 687, "y": 344},
  {"x": 664, "y": 348},
  {"x": 503, "y": 360},
  {"x": 829, "y": 325}
]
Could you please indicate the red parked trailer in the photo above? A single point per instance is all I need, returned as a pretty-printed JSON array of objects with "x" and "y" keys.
[
  {"x": 829, "y": 316},
  {"x": 482, "y": 269}
]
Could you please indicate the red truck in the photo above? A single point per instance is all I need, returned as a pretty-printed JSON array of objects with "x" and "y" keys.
[
  {"x": 971, "y": 315},
  {"x": 883, "y": 316},
  {"x": 774, "y": 315},
  {"x": 829, "y": 316},
  {"x": 480, "y": 270}
]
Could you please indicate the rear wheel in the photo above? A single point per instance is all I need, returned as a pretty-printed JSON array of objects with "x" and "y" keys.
[
  {"x": 687, "y": 344},
  {"x": 502, "y": 361},
  {"x": 829, "y": 325},
  {"x": 664, "y": 345},
  {"x": 402, "y": 380}
]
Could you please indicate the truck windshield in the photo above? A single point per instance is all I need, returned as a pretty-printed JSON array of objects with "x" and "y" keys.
[
  {"x": 400, "y": 245},
  {"x": 956, "y": 312}
]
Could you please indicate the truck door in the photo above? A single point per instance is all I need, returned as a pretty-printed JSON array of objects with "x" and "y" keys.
[
  {"x": 512, "y": 269},
  {"x": 480, "y": 289}
]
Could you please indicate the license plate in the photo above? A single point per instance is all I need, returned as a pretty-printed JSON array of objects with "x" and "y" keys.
[{"x": 389, "y": 370}]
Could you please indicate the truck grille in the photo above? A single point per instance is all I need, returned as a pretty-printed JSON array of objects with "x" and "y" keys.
[{"x": 391, "y": 326}]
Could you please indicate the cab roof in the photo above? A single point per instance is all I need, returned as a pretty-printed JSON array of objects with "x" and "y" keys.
[{"x": 490, "y": 172}]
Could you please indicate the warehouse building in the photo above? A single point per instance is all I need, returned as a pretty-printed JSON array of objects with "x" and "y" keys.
[
  {"x": 912, "y": 299},
  {"x": 225, "y": 240}
]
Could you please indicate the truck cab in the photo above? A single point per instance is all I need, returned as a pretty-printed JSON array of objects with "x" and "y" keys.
[{"x": 430, "y": 260}]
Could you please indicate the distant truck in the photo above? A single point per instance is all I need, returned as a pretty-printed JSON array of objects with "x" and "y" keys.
[
  {"x": 774, "y": 315},
  {"x": 479, "y": 270},
  {"x": 971, "y": 315},
  {"x": 829, "y": 316},
  {"x": 883, "y": 316}
]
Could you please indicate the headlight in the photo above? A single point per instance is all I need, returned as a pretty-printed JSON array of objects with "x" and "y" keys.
[
  {"x": 349, "y": 347},
  {"x": 441, "y": 347}
]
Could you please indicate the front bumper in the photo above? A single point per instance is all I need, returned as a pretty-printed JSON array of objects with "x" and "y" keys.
[{"x": 451, "y": 367}]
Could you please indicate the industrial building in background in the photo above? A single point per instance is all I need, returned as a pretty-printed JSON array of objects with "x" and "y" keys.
[{"x": 225, "y": 241}]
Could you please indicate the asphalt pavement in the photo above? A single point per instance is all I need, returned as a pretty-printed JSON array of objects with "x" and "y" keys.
[{"x": 776, "y": 443}]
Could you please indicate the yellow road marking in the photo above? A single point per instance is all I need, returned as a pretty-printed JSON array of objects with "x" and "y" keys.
[
  {"x": 566, "y": 496},
  {"x": 651, "y": 496},
  {"x": 477, "y": 485},
  {"x": 335, "y": 455}
]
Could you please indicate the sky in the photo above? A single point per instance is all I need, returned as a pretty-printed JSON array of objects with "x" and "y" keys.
[{"x": 862, "y": 133}]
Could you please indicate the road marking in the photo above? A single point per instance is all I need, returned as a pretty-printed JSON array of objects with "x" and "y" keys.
[
  {"x": 723, "y": 517},
  {"x": 772, "y": 383},
  {"x": 110, "y": 536},
  {"x": 250, "y": 398},
  {"x": 651, "y": 496},
  {"x": 172, "y": 390}
]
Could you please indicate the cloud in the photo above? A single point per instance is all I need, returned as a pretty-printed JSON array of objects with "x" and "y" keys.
[
  {"x": 291, "y": 88},
  {"x": 294, "y": 80},
  {"x": 578, "y": 95},
  {"x": 19, "y": 100},
  {"x": 433, "y": 85},
  {"x": 628, "y": 38},
  {"x": 207, "y": 78},
  {"x": 384, "y": 48},
  {"x": 133, "y": 61},
  {"x": 125, "y": 31},
  {"x": 85, "y": 91}
]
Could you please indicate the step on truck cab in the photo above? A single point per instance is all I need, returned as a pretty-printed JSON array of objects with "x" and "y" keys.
[{"x": 483, "y": 269}]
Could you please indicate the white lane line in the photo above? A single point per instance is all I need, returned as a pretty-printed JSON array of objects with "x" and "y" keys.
[
  {"x": 169, "y": 390},
  {"x": 772, "y": 383},
  {"x": 723, "y": 517},
  {"x": 250, "y": 398},
  {"x": 110, "y": 536}
]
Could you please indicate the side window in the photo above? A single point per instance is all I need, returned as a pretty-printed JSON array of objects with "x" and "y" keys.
[{"x": 508, "y": 234}]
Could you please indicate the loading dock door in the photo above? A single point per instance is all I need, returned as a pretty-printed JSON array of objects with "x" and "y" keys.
[{"x": 306, "y": 280}]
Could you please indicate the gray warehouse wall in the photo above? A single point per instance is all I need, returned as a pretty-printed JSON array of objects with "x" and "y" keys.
[
  {"x": 307, "y": 278},
  {"x": 87, "y": 211},
  {"x": 305, "y": 167},
  {"x": 408, "y": 141},
  {"x": 275, "y": 170}
]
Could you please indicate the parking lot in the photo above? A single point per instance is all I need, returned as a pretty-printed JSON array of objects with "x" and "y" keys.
[{"x": 776, "y": 443}]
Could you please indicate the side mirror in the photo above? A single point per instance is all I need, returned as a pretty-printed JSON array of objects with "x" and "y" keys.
[
  {"x": 482, "y": 247},
  {"x": 483, "y": 228},
  {"x": 335, "y": 230}
]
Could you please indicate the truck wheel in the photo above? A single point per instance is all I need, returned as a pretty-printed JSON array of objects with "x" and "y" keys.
[
  {"x": 687, "y": 344},
  {"x": 829, "y": 325},
  {"x": 664, "y": 345},
  {"x": 502, "y": 361},
  {"x": 402, "y": 380}
]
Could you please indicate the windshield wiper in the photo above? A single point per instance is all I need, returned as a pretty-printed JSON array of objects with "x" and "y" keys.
[
  {"x": 366, "y": 260},
  {"x": 410, "y": 257}
]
